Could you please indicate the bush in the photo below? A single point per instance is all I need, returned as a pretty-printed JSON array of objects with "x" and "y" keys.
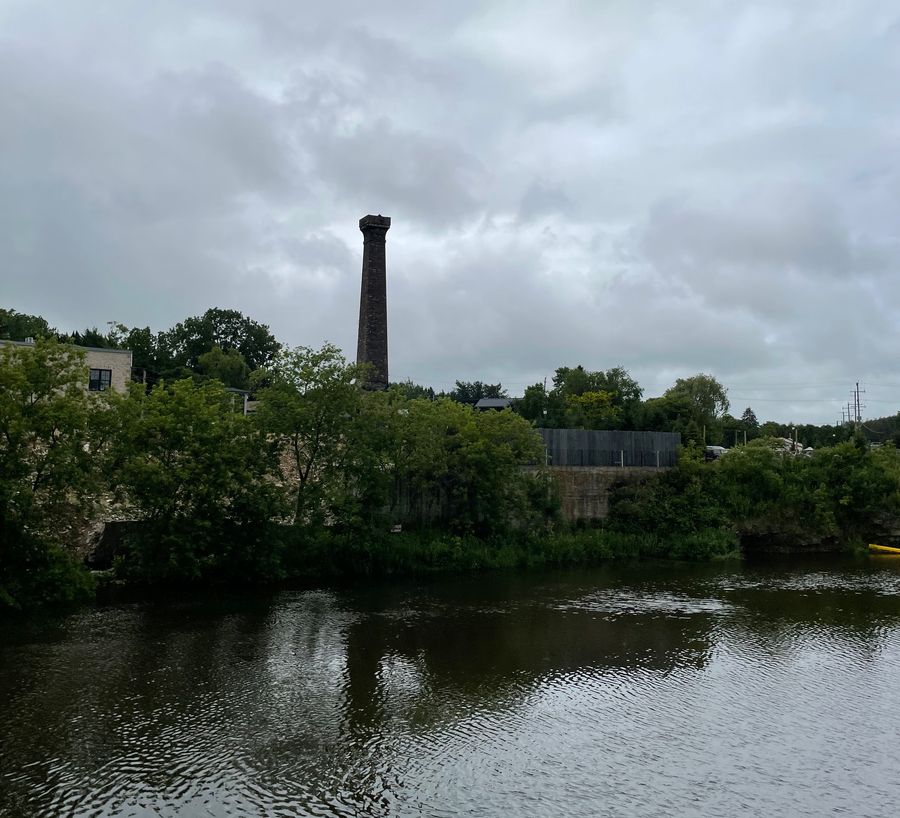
[{"x": 34, "y": 574}]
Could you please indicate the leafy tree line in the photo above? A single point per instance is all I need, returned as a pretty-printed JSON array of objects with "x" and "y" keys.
[
  {"x": 227, "y": 346},
  {"x": 697, "y": 407},
  {"x": 845, "y": 495},
  {"x": 221, "y": 495},
  {"x": 315, "y": 480},
  {"x": 220, "y": 344}
]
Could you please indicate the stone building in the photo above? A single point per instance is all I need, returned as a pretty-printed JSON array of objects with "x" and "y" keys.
[{"x": 107, "y": 368}]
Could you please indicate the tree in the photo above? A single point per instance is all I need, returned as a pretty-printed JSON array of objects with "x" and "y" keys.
[
  {"x": 91, "y": 337},
  {"x": 705, "y": 401},
  {"x": 566, "y": 402},
  {"x": 306, "y": 409},
  {"x": 227, "y": 329},
  {"x": 749, "y": 421},
  {"x": 197, "y": 474},
  {"x": 47, "y": 469},
  {"x": 708, "y": 398},
  {"x": 227, "y": 366},
  {"x": 533, "y": 405},
  {"x": 149, "y": 358},
  {"x": 473, "y": 391},
  {"x": 593, "y": 410},
  {"x": 462, "y": 468},
  {"x": 621, "y": 385},
  {"x": 410, "y": 390},
  {"x": 17, "y": 326}
]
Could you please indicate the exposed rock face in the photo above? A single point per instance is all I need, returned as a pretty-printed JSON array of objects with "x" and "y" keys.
[
  {"x": 789, "y": 541},
  {"x": 789, "y": 536},
  {"x": 372, "y": 344},
  {"x": 109, "y": 542}
]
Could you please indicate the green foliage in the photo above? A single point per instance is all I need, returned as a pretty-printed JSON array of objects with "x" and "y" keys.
[
  {"x": 707, "y": 398},
  {"x": 91, "y": 337},
  {"x": 314, "y": 483},
  {"x": 462, "y": 467},
  {"x": 474, "y": 391},
  {"x": 44, "y": 458},
  {"x": 844, "y": 494},
  {"x": 47, "y": 467},
  {"x": 17, "y": 326},
  {"x": 36, "y": 573},
  {"x": 695, "y": 407},
  {"x": 581, "y": 399},
  {"x": 677, "y": 502},
  {"x": 593, "y": 410},
  {"x": 422, "y": 553},
  {"x": 360, "y": 460},
  {"x": 410, "y": 390},
  {"x": 748, "y": 421},
  {"x": 196, "y": 473},
  {"x": 227, "y": 366},
  {"x": 308, "y": 403},
  {"x": 226, "y": 329}
]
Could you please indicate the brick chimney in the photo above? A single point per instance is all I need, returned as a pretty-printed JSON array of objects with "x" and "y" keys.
[{"x": 372, "y": 345}]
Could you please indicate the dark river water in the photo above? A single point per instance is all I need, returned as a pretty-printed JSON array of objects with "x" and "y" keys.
[{"x": 670, "y": 690}]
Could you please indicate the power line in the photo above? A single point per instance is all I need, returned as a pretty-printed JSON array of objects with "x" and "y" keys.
[{"x": 783, "y": 400}]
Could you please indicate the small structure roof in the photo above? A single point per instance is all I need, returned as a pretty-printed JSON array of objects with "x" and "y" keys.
[{"x": 493, "y": 403}]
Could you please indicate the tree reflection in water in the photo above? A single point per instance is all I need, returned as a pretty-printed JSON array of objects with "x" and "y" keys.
[{"x": 491, "y": 693}]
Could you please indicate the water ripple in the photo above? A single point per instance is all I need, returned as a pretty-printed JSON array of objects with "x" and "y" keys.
[{"x": 730, "y": 692}]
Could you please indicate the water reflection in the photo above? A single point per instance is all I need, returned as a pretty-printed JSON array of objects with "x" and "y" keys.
[{"x": 682, "y": 689}]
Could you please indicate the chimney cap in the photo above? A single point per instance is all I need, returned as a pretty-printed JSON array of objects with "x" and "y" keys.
[{"x": 379, "y": 221}]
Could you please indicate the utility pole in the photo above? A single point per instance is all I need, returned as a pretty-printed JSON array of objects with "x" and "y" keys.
[{"x": 858, "y": 406}]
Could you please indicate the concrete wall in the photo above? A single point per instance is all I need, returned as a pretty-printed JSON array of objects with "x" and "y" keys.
[{"x": 584, "y": 490}]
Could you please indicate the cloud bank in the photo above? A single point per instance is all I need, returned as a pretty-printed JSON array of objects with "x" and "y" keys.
[{"x": 674, "y": 187}]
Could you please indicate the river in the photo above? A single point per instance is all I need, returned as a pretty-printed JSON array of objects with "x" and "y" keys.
[{"x": 672, "y": 690}]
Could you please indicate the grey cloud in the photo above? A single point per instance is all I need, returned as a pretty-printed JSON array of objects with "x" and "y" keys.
[
  {"x": 541, "y": 199},
  {"x": 413, "y": 171},
  {"x": 680, "y": 187}
]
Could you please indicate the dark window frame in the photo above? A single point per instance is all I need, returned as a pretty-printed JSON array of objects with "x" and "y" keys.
[{"x": 99, "y": 380}]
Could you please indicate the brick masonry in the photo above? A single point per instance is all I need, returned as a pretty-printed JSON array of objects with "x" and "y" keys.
[{"x": 372, "y": 344}]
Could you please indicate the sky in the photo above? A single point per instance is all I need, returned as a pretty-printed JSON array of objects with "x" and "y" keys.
[{"x": 674, "y": 187}]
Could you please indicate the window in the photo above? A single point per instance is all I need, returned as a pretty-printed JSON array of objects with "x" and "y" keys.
[{"x": 100, "y": 380}]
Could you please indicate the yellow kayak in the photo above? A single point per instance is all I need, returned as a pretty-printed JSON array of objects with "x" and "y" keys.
[{"x": 883, "y": 550}]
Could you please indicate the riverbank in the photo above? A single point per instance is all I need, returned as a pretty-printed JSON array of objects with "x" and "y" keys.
[{"x": 297, "y": 556}]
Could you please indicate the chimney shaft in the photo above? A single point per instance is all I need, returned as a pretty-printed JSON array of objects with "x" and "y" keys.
[{"x": 372, "y": 346}]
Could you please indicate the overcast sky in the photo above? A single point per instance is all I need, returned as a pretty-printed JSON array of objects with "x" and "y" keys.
[{"x": 674, "y": 187}]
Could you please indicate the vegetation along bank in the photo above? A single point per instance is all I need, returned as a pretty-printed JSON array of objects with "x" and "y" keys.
[{"x": 328, "y": 480}]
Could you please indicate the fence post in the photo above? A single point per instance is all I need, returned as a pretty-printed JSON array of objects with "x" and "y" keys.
[{"x": 622, "y": 458}]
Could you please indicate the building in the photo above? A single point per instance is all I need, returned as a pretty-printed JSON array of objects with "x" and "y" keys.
[
  {"x": 486, "y": 404},
  {"x": 107, "y": 368}
]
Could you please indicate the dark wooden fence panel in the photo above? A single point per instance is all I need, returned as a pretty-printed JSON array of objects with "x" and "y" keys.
[{"x": 585, "y": 447}]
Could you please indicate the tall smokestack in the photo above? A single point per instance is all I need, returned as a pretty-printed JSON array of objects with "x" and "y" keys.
[{"x": 372, "y": 347}]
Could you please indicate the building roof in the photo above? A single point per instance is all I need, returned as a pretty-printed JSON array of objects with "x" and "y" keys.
[{"x": 493, "y": 403}]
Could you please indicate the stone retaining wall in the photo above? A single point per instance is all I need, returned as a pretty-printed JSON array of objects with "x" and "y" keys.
[{"x": 584, "y": 490}]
